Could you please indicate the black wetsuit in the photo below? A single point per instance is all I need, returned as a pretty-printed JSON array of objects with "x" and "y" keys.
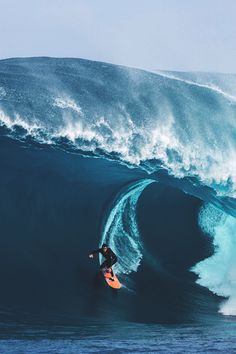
[{"x": 110, "y": 256}]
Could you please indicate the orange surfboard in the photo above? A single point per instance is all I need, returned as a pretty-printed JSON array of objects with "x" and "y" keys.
[{"x": 115, "y": 284}]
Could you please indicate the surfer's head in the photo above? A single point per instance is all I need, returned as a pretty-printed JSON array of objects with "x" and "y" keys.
[{"x": 104, "y": 246}]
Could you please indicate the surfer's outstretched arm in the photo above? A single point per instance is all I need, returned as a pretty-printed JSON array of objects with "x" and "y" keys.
[{"x": 92, "y": 254}]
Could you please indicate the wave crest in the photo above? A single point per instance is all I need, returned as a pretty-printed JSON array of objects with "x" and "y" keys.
[{"x": 185, "y": 121}]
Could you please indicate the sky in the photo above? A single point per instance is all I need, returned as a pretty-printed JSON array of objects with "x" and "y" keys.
[{"x": 182, "y": 35}]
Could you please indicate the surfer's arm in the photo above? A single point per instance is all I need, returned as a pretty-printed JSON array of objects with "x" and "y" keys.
[{"x": 92, "y": 254}]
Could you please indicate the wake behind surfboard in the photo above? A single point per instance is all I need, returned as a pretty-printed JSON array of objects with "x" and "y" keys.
[{"x": 115, "y": 284}]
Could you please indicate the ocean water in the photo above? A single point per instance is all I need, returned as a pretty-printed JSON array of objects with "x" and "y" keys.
[
  {"x": 120, "y": 338},
  {"x": 91, "y": 153}
]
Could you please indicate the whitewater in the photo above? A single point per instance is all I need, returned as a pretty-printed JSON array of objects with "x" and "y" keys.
[{"x": 181, "y": 123}]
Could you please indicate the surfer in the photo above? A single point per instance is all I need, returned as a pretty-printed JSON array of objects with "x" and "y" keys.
[{"x": 110, "y": 256}]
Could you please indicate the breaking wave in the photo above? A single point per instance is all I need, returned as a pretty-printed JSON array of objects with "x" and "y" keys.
[{"x": 177, "y": 128}]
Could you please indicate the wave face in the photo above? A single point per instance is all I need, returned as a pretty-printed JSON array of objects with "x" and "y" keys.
[{"x": 160, "y": 190}]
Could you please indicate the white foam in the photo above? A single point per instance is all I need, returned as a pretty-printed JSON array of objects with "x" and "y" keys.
[
  {"x": 67, "y": 103},
  {"x": 214, "y": 165},
  {"x": 10, "y": 122},
  {"x": 218, "y": 272}
]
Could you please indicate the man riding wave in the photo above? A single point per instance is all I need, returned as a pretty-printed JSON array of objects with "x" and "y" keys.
[{"x": 110, "y": 256}]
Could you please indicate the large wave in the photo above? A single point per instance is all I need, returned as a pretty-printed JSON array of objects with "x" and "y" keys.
[{"x": 184, "y": 123}]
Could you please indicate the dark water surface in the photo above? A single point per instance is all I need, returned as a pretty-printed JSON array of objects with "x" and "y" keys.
[{"x": 119, "y": 337}]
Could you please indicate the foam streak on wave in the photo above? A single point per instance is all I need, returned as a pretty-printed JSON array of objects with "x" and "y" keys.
[
  {"x": 209, "y": 86},
  {"x": 121, "y": 229}
]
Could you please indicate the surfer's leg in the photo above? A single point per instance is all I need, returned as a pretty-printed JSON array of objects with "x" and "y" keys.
[
  {"x": 111, "y": 270},
  {"x": 104, "y": 266},
  {"x": 111, "y": 264}
]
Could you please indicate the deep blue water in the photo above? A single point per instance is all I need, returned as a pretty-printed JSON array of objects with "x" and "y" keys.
[
  {"x": 91, "y": 152},
  {"x": 118, "y": 337}
]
